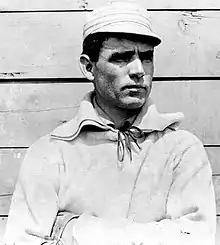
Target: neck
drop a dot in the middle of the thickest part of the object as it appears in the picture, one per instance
(116, 114)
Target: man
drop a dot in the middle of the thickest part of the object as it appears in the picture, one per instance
(119, 172)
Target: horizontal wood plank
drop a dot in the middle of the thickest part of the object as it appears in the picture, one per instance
(217, 236)
(49, 44)
(23, 5)
(10, 162)
(214, 158)
(5, 202)
(11, 159)
(216, 183)
(3, 222)
(28, 111)
(199, 101)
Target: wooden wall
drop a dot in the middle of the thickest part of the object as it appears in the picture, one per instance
(41, 84)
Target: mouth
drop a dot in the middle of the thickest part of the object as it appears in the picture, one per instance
(134, 88)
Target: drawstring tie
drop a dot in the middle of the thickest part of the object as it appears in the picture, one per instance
(131, 134)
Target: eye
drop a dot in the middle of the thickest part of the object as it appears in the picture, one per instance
(146, 57)
(121, 57)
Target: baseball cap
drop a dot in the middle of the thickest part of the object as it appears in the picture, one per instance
(120, 17)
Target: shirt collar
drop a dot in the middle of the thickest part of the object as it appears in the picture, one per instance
(149, 119)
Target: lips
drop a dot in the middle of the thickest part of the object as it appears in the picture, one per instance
(134, 87)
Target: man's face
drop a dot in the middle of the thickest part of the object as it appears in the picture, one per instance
(123, 73)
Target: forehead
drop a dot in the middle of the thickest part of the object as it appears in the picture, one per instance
(124, 44)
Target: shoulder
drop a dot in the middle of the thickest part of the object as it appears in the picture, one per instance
(42, 145)
(181, 137)
(181, 143)
(185, 147)
(43, 155)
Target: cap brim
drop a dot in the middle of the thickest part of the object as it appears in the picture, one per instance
(133, 29)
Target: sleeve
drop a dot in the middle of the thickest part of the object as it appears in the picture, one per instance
(191, 201)
(34, 204)
(190, 210)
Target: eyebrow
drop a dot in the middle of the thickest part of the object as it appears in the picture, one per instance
(148, 53)
(118, 54)
(128, 53)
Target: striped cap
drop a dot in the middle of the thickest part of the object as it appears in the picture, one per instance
(120, 17)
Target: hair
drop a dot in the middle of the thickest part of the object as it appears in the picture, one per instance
(93, 43)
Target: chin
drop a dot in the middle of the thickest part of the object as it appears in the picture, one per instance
(133, 103)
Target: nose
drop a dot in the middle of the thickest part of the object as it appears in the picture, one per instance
(136, 69)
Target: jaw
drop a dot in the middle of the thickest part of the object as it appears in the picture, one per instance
(131, 103)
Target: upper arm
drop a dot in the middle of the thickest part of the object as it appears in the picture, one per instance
(35, 201)
(191, 196)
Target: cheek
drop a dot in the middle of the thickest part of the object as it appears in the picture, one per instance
(149, 69)
(110, 77)
(104, 84)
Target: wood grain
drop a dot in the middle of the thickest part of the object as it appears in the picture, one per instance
(216, 183)
(217, 236)
(5, 202)
(214, 158)
(3, 222)
(28, 111)
(190, 44)
(199, 101)
(10, 161)
(88, 4)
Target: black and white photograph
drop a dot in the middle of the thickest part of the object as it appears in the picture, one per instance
(109, 122)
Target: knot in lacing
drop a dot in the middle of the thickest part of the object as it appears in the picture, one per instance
(131, 134)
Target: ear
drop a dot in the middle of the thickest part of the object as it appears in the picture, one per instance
(86, 66)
